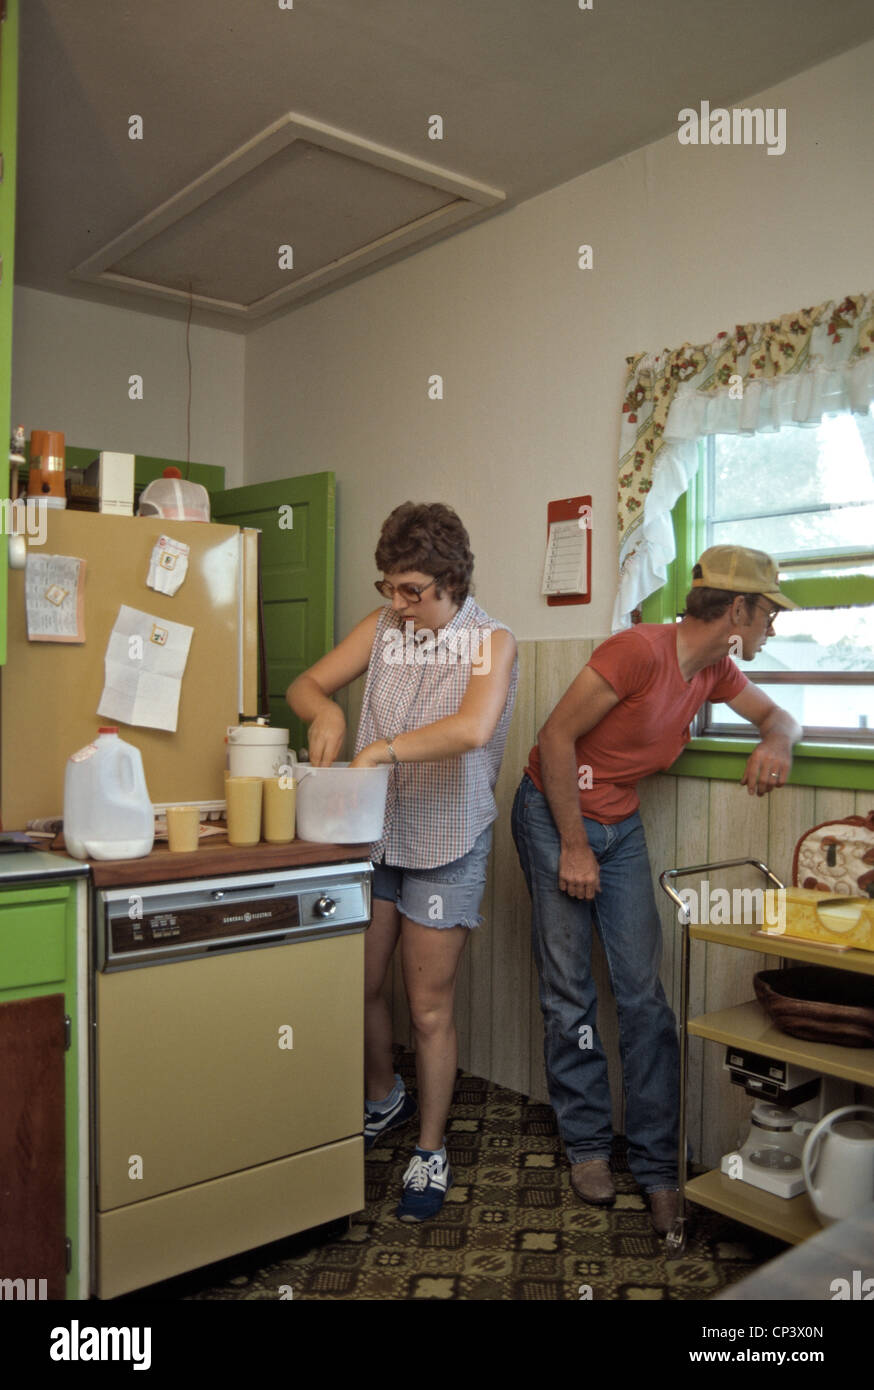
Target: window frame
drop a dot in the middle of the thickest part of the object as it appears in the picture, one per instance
(824, 763)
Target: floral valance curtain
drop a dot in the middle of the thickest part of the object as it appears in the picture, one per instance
(790, 371)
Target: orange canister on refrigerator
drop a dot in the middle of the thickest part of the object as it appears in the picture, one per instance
(47, 467)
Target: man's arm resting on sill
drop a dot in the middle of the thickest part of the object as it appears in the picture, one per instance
(770, 762)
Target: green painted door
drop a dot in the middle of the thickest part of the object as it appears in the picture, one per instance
(296, 521)
(8, 133)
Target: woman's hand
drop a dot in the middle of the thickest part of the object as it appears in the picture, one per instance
(374, 755)
(326, 735)
(309, 696)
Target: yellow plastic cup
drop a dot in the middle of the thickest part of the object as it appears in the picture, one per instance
(183, 828)
(279, 805)
(243, 795)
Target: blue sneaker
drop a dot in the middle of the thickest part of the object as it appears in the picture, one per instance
(377, 1122)
(426, 1182)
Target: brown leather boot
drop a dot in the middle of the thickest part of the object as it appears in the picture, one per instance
(664, 1207)
(592, 1181)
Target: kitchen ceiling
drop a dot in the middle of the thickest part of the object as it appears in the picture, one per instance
(285, 151)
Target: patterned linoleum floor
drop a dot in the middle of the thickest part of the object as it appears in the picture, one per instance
(510, 1228)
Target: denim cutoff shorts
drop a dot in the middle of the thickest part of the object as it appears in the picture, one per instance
(448, 896)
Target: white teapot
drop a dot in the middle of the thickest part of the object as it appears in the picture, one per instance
(838, 1163)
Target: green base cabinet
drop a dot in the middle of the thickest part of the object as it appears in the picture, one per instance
(44, 1224)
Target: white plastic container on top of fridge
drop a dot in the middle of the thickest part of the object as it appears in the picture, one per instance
(341, 805)
(107, 811)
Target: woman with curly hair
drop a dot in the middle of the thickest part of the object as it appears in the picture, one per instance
(441, 681)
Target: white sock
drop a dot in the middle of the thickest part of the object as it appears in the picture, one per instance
(429, 1153)
(391, 1099)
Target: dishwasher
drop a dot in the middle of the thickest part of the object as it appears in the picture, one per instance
(227, 1066)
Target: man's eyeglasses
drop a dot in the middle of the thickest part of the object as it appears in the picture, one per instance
(410, 593)
(771, 612)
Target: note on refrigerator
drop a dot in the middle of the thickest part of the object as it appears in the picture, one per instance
(54, 597)
(144, 665)
(168, 565)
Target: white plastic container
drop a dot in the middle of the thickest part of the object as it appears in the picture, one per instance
(174, 499)
(107, 811)
(256, 750)
(341, 805)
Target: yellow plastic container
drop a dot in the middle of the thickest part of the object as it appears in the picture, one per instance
(831, 918)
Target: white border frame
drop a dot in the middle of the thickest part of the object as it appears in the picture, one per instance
(471, 198)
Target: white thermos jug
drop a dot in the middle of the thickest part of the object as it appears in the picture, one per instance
(838, 1163)
(256, 750)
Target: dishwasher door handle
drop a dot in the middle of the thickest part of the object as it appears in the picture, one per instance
(215, 947)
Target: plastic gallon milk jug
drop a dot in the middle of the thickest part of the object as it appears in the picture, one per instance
(107, 811)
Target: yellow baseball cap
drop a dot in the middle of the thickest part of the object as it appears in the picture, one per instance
(741, 571)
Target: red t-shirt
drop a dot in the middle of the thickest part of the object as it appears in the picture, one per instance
(647, 730)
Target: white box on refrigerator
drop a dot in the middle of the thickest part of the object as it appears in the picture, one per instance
(113, 476)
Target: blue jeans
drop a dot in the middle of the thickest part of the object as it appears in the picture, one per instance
(624, 912)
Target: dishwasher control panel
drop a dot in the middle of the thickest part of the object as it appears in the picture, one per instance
(155, 924)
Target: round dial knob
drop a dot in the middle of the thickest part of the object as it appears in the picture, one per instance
(325, 906)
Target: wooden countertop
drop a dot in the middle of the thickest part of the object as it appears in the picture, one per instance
(215, 856)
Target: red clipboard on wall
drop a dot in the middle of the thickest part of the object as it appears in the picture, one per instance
(567, 570)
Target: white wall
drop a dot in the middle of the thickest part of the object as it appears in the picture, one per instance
(71, 363)
(687, 241)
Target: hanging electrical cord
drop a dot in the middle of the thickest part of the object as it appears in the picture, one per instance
(188, 354)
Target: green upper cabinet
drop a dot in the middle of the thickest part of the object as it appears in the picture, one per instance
(147, 469)
(8, 136)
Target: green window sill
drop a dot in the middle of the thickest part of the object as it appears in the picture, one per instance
(813, 764)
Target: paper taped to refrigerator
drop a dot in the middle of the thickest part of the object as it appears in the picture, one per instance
(144, 665)
(168, 565)
(54, 588)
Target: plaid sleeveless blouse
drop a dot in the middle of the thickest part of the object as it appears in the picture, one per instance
(434, 811)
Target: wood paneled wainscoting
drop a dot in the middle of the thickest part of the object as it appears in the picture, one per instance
(689, 820)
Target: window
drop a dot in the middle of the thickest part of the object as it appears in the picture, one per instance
(806, 496)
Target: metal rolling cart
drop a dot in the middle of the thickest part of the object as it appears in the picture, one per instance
(675, 1240)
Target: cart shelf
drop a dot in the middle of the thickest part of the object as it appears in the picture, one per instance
(792, 1220)
(747, 1025)
(747, 938)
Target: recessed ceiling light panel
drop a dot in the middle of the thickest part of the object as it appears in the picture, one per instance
(297, 207)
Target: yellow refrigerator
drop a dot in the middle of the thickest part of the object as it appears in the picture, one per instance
(50, 691)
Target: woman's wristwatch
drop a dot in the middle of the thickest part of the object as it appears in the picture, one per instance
(392, 754)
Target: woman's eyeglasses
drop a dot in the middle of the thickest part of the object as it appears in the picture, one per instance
(410, 593)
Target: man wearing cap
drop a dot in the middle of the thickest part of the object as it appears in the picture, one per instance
(581, 844)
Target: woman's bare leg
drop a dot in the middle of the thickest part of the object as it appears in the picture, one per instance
(430, 958)
(380, 940)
